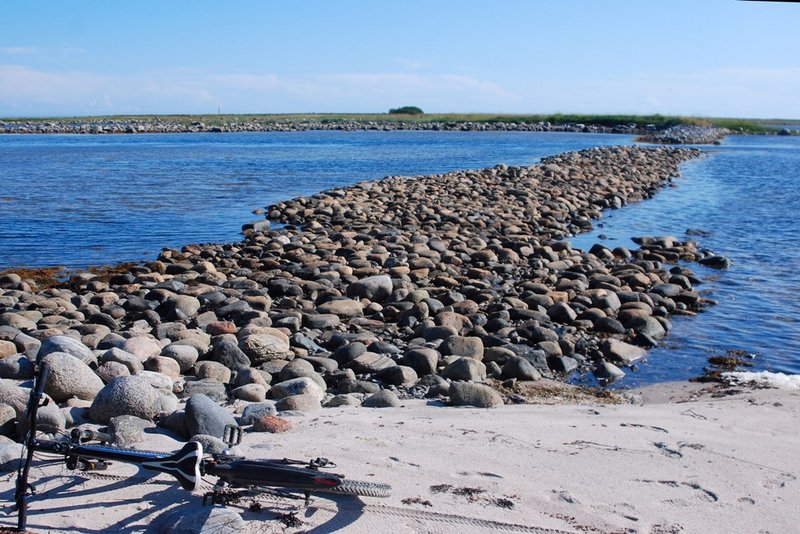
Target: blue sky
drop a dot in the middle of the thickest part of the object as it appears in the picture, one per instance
(687, 57)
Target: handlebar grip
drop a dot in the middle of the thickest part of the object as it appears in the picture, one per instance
(41, 380)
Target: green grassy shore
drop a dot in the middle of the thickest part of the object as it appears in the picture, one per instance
(753, 126)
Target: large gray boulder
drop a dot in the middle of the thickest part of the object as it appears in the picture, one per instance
(205, 386)
(185, 355)
(204, 416)
(383, 399)
(375, 288)
(117, 355)
(307, 402)
(423, 360)
(142, 346)
(225, 350)
(68, 345)
(619, 351)
(520, 368)
(297, 386)
(70, 377)
(126, 395)
(343, 308)
(16, 367)
(478, 395)
(466, 369)
(370, 362)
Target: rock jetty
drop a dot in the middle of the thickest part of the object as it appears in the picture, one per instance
(141, 126)
(687, 135)
(429, 286)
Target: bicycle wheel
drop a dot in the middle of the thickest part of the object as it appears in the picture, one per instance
(358, 487)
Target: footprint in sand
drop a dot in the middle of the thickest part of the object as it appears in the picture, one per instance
(683, 500)
(779, 481)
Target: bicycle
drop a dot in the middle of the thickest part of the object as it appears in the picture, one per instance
(236, 476)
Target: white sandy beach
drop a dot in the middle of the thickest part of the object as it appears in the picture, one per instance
(679, 462)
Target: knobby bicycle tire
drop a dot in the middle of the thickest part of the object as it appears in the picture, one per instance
(358, 487)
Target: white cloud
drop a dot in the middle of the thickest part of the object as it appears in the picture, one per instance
(17, 50)
(739, 92)
(40, 92)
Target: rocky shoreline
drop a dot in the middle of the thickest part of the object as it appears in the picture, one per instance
(687, 135)
(168, 126)
(456, 286)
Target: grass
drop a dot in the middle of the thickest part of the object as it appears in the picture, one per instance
(660, 121)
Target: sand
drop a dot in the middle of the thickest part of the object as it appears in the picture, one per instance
(676, 459)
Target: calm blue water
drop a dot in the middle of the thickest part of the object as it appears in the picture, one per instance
(746, 193)
(78, 200)
(83, 200)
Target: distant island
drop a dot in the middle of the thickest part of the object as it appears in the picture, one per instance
(685, 129)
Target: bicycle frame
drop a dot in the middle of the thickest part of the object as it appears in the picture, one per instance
(187, 465)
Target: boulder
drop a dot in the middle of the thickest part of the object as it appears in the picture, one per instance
(370, 362)
(398, 375)
(520, 369)
(343, 308)
(302, 403)
(297, 386)
(250, 393)
(213, 370)
(185, 355)
(255, 411)
(478, 395)
(383, 399)
(375, 288)
(126, 395)
(271, 344)
(143, 347)
(466, 369)
(471, 347)
(617, 350)
(70, 377)
(16, 367)
(131, 361)
(225, 349)
(423, 360)
(209, 387)
(68, 345)
(126, 430)
(271, 424)
(204, 416)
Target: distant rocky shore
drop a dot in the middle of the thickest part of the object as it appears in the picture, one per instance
(687, 135)
(455, 286)
(165, 126)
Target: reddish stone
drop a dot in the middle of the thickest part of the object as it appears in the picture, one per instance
(271, 424)
(221, 327)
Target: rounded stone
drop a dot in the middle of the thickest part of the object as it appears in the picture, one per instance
(204, 416)
(213, 370)
(297, 386)
(271, 424)
(383, 399)
(301, 403)
(165, 366)
(185, 355)
(70, 377)
(478, 395)
(466, 369)
(126, 395)
(67, 345)
(250, 393)
(143, 347)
